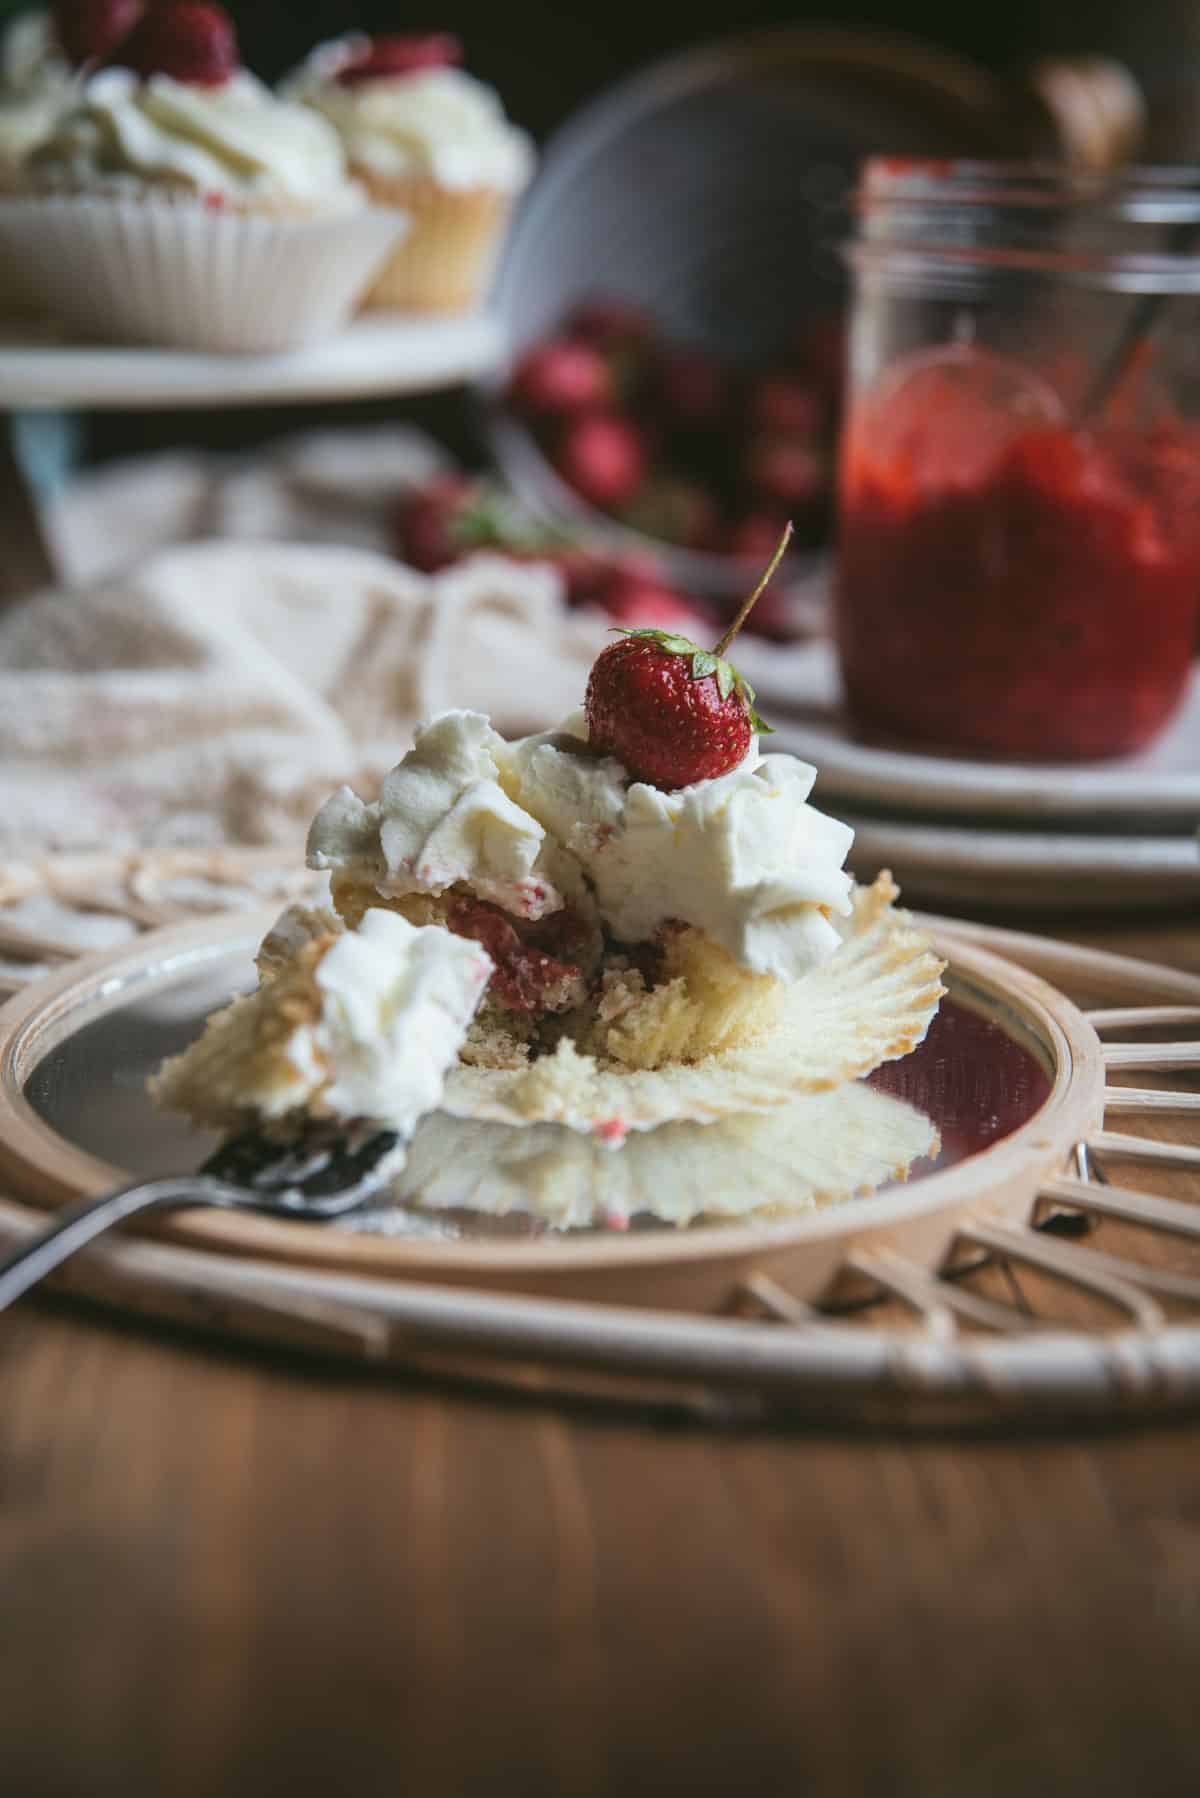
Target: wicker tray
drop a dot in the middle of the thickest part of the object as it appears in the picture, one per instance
(940, 1297)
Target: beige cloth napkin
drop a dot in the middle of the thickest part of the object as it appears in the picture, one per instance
(319, 487)
(219, 691)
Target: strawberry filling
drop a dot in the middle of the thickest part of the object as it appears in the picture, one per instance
(530, 975)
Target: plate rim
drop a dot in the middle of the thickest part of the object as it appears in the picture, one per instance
(949, 856)
(45, 1168)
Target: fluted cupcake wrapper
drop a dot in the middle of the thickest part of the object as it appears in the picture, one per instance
(175, 273)
(871, 1002)
(817, 1149)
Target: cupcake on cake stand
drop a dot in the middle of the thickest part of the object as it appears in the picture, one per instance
(198, 241)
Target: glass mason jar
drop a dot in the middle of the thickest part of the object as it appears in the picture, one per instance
(1018, 567)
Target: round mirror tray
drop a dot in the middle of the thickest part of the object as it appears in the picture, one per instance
(1004, 1270)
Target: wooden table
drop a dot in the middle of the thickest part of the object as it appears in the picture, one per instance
(225, 1575)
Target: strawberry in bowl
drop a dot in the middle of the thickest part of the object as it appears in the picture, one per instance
(457, 515)
(609, 423)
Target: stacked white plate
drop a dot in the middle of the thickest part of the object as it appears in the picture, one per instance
(1083, 836)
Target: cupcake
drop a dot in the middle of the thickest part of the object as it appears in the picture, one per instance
(178, 202)
(663, 936)
(423, 135)
(543, 894)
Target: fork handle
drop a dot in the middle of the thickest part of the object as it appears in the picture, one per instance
(80, 1222)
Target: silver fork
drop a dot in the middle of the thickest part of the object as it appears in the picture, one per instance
(324, 1173)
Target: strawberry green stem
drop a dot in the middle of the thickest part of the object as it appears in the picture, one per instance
(749, 605)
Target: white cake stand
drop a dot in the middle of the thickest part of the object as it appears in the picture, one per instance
(375, 357)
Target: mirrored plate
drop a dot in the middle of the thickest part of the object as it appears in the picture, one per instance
(1010, 1074)
(976, 1078)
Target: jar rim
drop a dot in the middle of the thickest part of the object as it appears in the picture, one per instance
(963, 221)
(1162, 193)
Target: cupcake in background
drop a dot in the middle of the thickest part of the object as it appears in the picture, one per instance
(178, 201)
(173, 111)
(423, 135)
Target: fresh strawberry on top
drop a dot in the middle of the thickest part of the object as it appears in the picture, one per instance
(672, 712)
(87, 30)
(189, 40)
(385, 58)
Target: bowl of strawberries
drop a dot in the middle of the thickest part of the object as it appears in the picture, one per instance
(653, 446)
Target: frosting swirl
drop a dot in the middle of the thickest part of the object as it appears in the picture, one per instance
(29, 56)
(440, 122)
(236, 141)
(36, 86)
(744, 858)
(442, 818)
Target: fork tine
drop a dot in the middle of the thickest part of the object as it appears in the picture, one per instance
(318, 1163)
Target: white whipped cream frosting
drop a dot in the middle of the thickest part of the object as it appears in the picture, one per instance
(29, 55)
(440, 122)
(442, 818)
(236, 141)
(745, 857)
(36, 86)
(396, 1001)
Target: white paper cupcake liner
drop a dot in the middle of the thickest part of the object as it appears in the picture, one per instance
(818, 1149)
(158, 270)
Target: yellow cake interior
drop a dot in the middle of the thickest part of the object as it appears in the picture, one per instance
(243, 1068)
(636, 1006)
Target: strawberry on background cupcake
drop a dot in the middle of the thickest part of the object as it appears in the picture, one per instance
(178, 201)
(170, 107)
(423, 135)
(86, 31)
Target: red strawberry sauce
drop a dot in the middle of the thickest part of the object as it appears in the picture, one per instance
(974, 1080)
(529, 976)
(1041, 602)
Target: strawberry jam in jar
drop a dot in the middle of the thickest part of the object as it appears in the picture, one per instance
(1018, 568)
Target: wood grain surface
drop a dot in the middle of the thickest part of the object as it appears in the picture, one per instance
(223, 1574)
